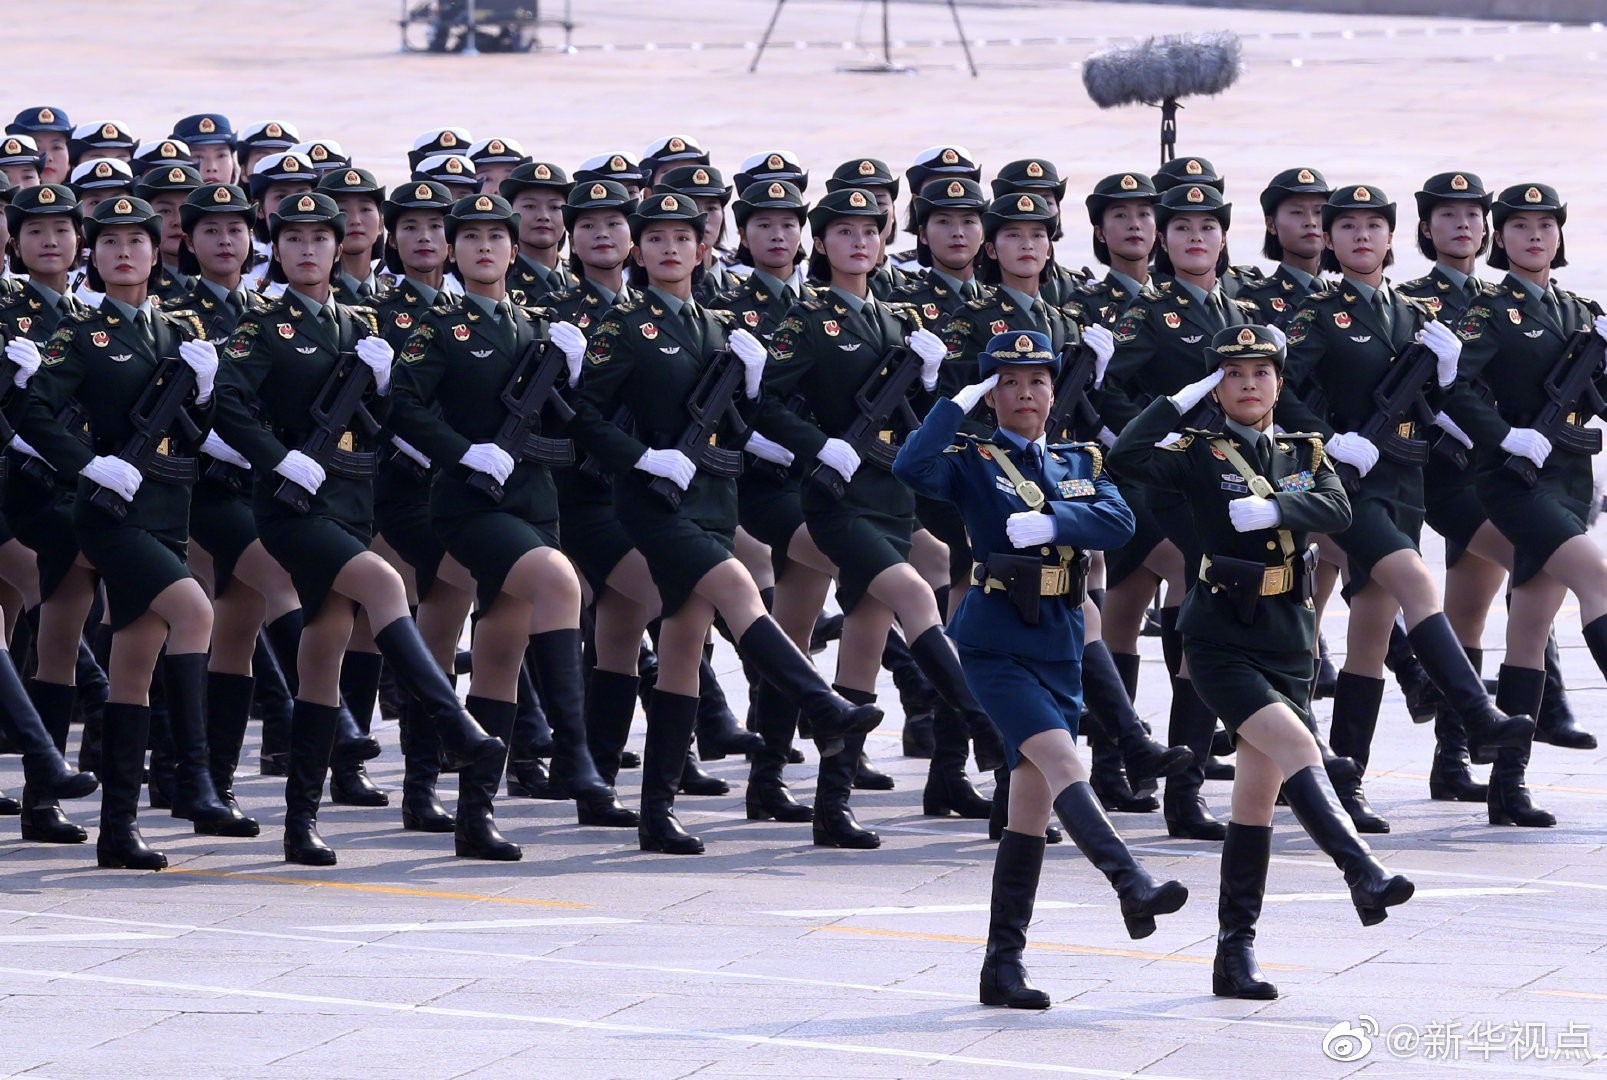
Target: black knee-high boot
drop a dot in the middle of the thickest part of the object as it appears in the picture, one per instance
(935, 653)
(1106, 771)
(1016, 869)
(272, 698)
(915, 693)
(834, 821)
(194, 797)
(1422, 694)
(1373, 890)
(43, 821)
(284, 639)
(312, 740)
(123, 740)
(556, 662)
(532, 741)
(228, 710)
(718, 733)
(477, 835)
(1141, 897)
(1105, 695)
(1356, 702)
(1245, 855)
(1442, 657)
(1450, 775)
(43, 765)
(1556, 723)
(948, 788)
(421, 764)
(670, 720)
(1127, 668)
(610, 708)
(767, 796)
(790, 671)
(463, 742)
(1509, 800)
(349, 785)
(1193, 725)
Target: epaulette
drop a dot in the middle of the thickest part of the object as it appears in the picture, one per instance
(962, 441)
(564, 296)
(1429, 309)
(979, 303)
(1329, 291)
(721, 315)
(188, 315)
(539, 311)
(1592, 306)
(726, 257)
(367, 314)
(85, 314)
(1252, 275)
(1246, 307)
(814, 303)
(1149, 292)
(1092, 449)
(627, 307)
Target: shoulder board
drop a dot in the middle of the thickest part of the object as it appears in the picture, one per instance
(1092, 449)
(1179, 444)
(1329, 291)
(815, 302)
(1250, 274)
(1420, 304)
(444, 307)
(85, 315)
(721, 315)
(190, 318)
(367, 314)
(1417, 285)
(626, 307)
(980, 303)
(1163, 288)
(1150, 291)
(1593, 306)
(1205, 433)
(539, 311)
(1247, 307)
(563, 296)
(962, 441)
(726, 256)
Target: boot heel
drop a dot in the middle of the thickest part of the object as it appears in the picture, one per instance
(1141, 926)
(1396, 891)
(1222, 987)
(934, 808)
(759, 813)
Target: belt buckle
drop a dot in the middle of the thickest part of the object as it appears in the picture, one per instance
(1574, 421)
(1407, 430)
(163, 448)
(714, 438)
(347, 442)
(1276, 580)
(885, 436)
(1052, 581)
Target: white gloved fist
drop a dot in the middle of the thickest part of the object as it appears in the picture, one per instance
(489, 458)
(1196, 392)
(302, 471)
(1529, 443)
(114, 473)
(1353, 450)
(766, 450)
(411, 451)
(1601, 326)
(1106, 437)
(377, 353)
(21, 446)
(202, 358)
(1447, 350)
(930, 348)
(25, 354)
(1103, 342)
(214, 446)
(968, 397)
(571, 341)
(1451, 428)
(752, 353)
(840, 457)
(1252, 513)
(672, 465)
(1030, 528)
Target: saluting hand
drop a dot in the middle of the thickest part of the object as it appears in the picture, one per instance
(1029, 528)
(967, 398)
(25, 354)
(1447, 350)
(752, 353)
(1196, 392)
(930, 348)
(1253, 513)
(377, 353)
(202, 358)
(571, 340)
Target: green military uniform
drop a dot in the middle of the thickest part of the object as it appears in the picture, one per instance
(529, 277)
(1276, 295)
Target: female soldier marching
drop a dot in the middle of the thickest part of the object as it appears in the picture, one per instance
(1020, 631)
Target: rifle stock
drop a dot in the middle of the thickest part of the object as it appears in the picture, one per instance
(884, 393)
(531, 387)
(1570, 390)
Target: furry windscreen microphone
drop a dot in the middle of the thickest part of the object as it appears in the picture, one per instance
(1161, 70)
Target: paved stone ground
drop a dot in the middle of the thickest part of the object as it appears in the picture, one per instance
(768, 956)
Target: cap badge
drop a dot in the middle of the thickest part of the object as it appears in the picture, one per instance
(483, 204)
(599, 192)
(1361, 194)
(1194, 168)
(1023, 344)
(306, 204)
(867, 168)
(423, 192)
(221, 195)
(1533, 196)
(46, 116)
(776, 191)
(955, 189)
(677, 145)
(353, 178)
(13, 146)
(290, 164)
(700, 177)
(122, 206)
(856, 200)
(103, 170)
(108, 131)
(949, 157)
(616, 164)
(1195, 195)
(775, 161)
(496, 146)
(1129, 183)
(542, 172)
(168, 150)
(175, 176)
(448, 139)
(1024, 204)
(46, 196)
(1459, 182)
(1035, 170)
(1305, 176)
(274, 131)
(669, 203)
(454, 165)
(207, 126)
(1247, 336)
(320, 152)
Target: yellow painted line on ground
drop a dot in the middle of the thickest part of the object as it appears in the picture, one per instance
(388, 890)
(1571, 994)
(1087, 950)
(1532, 787)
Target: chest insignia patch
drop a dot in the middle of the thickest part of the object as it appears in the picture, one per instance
(1279, 303)
(998, 326)
(1342, 320)
(286, 331)
(831, 327)
(403, 320)
(649, 331)
(461, 331)
(751, 318)
(101, 339)
(930, 311)
(1172, 319)
(1515, 315)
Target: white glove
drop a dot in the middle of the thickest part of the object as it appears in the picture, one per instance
(1601, 327)
(1107, 438)
(489, 458)
(1030, 528)
(765, 450)
(114, 473)
(1446, 347)
(202, 358)
(1196, 392)
(409, 450)
(672, 465)
(1529, 443)
(1278, 336)
(968, 397)
(377, 353)
(1103, 342)
(930, 348)
(1252, 513)
(840, 457)
(1450, 427)
(25, 354)
(213, 446)
(569, 338)
(1353, 450)
(21, 446)
(302, 470)
(751, 352)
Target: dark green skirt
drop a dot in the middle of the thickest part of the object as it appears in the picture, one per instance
(41, 516)
(1540, 519)
(222, 525)
(1237, 682)
(488, 545)
(864, 533)
(135, 563)
(402, 517)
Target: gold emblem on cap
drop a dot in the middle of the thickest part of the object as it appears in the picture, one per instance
(542, 172)
(46, 116)
(320, 152)
(1023, 344)
(775, 161)
(677, 144)
(448, 139)
(1024, 203)
(122, 206)
(168, 150)
(423, 192)
(221, 195)
(454, 165)
(1459, 182)
(108, 131)
(175, 175)
(1247, 336)
(306, 204)
(103, 170)
(1533, 196)
(599, 192)
(669, 203)
(700, 177)
(1361, 194)
(867, 168)
(353, 178)
(856, 200)
(46, 196)
(950, 157)
(496, 146)
(1129, 183)
(290, 164)
(1034, 170)
(273, 131)
(777, 191)
(13, 146)
(483, 204)
(1195, 195)
(616, 163)
(956, 189)
(1194, 168)
(1304, 176)
(207, 126)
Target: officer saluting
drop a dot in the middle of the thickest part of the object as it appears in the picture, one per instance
(1032, 510)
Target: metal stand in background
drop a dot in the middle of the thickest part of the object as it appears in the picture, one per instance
(457, 26)
(886, 66)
